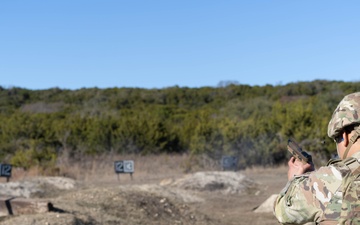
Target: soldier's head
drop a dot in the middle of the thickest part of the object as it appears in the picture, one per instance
(345, 120)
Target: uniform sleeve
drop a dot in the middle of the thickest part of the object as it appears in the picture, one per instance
(305, 197)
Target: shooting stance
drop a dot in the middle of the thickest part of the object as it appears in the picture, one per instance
(329, 195)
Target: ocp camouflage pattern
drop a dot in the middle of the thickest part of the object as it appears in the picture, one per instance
(317, 197)
(345, 114)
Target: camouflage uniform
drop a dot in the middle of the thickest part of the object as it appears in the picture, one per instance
(329, 195)
(316, 196)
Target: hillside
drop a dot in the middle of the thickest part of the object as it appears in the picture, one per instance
(251, 123)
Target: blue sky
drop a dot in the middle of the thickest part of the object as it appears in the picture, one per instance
(156, 44)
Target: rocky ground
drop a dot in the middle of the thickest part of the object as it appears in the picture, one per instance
(202, 198)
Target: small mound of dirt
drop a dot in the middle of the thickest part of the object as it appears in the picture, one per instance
(131, 205)
(37, 187)
(267, 206)
(226, 182)
(61, 183)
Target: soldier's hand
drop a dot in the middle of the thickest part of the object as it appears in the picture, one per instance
(296, 167)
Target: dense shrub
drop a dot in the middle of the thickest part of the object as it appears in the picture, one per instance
(250, 122)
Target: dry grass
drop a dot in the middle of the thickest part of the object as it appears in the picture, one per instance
(101, 168)
(146, 167)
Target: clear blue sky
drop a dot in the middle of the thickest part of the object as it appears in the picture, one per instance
(190, 43)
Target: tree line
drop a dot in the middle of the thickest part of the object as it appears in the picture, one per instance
(252, 123)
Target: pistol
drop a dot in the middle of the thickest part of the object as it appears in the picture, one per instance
(298, 153)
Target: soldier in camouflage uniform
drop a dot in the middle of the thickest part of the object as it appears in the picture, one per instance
(329, 195)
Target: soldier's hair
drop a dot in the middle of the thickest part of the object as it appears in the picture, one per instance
(350, 128)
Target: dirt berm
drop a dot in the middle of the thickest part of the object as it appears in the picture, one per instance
(203, 198)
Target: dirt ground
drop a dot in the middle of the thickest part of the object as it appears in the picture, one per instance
(225, 198)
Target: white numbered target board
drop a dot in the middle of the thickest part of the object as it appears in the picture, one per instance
(5, 170)
(125, 166)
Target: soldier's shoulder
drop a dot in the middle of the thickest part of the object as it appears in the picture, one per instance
(329, 170)
(330, 176)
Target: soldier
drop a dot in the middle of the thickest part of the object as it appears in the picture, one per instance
(328, 195)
